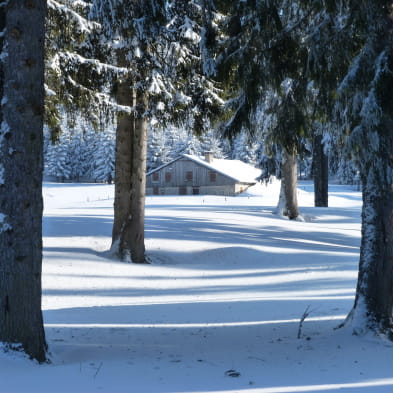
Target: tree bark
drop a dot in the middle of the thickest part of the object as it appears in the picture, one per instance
(320, 173)
(133, 235)
(374, 293)
(281, 208)
(128, 240)
(288, 205)
(21, 150)
(123, 162)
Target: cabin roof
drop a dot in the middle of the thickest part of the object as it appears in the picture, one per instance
(234, 169)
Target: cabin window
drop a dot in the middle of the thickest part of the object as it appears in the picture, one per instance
(156, 176)
(213, 176)
(168, 177)
(189, 176)
(182, 190)
(156, 190)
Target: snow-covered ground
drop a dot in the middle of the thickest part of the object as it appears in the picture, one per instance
(217, 310)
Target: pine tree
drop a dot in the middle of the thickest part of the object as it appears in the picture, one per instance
(78, 151)
(103, 157)
(159, 148)
(147, 40)
(78, 75)
(244, 148)
(262, 63)
(211, 142)
(361, 61)
(21, 143)
(58, 160)
(132, 28)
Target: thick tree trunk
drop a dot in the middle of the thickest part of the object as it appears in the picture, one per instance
(133, 235)
(21, 148)
(287, 204)
(320, 173)
(374, 293)
(128, 240)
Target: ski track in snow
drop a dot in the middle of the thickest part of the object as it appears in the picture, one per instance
(217, 310)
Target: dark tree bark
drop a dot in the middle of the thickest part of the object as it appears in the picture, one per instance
(21, 165)
(374, 293)
(133, 234)
(320, 173)
(373, 305)
(288, 205)
(128, 240)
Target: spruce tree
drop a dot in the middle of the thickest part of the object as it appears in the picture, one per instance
(262, 64)
(103, 157)
(79, 75)
(155, 44)
(364, 112)
(210, 141)
(159, 148)
(132, 28)
(78, 71)
(58, 158)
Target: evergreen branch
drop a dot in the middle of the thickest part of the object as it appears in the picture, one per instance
(84, 24)
(99, 66)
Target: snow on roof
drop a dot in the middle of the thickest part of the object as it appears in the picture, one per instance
(235, 169)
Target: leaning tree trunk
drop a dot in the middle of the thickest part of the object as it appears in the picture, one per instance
(374, 293)
(133, 233)
(287, 204)
(320, 173)
(21, 164)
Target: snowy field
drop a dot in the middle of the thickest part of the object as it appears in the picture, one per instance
(217, 310)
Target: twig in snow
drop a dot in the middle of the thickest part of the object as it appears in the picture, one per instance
(232, 373)
(98, 370)
(302, 319)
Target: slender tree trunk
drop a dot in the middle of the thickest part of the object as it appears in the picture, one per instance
(281, 208)
(288, 205)
(21, 164)
(123, 162)
(374, 293)
(320, 173)
(133, 235)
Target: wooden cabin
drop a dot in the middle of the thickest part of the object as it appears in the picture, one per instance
(194, 175)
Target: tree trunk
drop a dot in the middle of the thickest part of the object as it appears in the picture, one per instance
(128, 239)
(374, 293)
(281, 208)
(320, 173)
(123, 162)
(287, 204)
(133, 235)
(21, 150)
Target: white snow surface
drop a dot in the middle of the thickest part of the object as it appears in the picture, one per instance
(217, 310)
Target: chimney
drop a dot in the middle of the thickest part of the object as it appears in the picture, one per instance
(209, 156)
